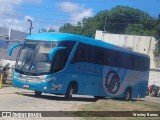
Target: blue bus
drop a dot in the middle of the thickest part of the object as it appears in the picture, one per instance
(66, 64)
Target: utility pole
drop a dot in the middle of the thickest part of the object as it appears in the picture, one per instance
(105, 23)
(30, 29)
(104, 31)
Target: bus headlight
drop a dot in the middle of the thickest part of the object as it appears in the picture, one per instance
(48, 79)
(28, 78)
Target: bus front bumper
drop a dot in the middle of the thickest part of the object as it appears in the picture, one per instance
(32, 85)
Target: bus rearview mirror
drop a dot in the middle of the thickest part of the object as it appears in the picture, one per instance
(53, 52)
(13, 47)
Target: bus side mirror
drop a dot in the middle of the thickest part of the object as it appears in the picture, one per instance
(13, 47)
(53, 52)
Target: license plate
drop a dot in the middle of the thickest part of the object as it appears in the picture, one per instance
(26, 86)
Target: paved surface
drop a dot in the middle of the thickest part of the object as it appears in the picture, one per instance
(14, 99)
(152, 99)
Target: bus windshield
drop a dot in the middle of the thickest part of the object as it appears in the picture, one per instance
(33, 58)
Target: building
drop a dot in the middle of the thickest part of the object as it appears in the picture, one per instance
(9, 37)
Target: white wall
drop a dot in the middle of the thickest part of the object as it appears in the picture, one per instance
(154, 77)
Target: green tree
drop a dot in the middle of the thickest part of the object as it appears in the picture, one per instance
(45, 30)
(139, 29)
(69, 28)
(135, 29)
(114, 21)
(157, 35)
(121, 16)
(51, 30)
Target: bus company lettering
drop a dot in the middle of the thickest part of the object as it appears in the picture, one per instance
(112, 82)
(89, 69)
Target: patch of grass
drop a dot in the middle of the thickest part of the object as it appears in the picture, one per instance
(117, 105)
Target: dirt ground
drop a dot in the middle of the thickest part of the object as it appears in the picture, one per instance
(14, 99)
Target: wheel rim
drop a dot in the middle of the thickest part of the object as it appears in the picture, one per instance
(127, 95)
(71, 92)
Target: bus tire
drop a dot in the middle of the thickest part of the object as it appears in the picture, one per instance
(70, 91)
(127, 95)
(37, 93)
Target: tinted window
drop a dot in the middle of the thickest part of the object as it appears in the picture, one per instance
(108, 57)
(59, 61)
(68, 44)
(62, 56)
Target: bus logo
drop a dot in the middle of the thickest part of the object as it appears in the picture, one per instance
(112, 82)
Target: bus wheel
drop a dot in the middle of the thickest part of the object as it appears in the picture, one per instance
(37, 93)
(127, 95)
(69, 92)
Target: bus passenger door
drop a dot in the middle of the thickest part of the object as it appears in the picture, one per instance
(58, 65)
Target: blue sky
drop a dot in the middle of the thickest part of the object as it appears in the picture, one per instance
(54, 13)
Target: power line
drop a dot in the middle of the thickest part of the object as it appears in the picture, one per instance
(40, 11)
(21, 15)
(46, 9)
(63, 20)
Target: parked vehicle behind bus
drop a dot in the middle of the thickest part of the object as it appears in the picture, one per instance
(67, 64)
(153, 91)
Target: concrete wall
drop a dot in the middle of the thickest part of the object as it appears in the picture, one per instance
(17, 35)
(4, 31)
(142, 44)
(154, 77)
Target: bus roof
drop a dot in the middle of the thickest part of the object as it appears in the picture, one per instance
(49, 36)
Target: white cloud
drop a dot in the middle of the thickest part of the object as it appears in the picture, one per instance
(10, 19)
(32, 1)
(28, 17)
(69, 7)
(13, 24)
(11, 1)
(77, 11)
(16, 24)
(20, 1)
(7, 7)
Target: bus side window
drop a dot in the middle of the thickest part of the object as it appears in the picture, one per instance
(79, 54)
(99, 56)
(141, 64)
(59, 61)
